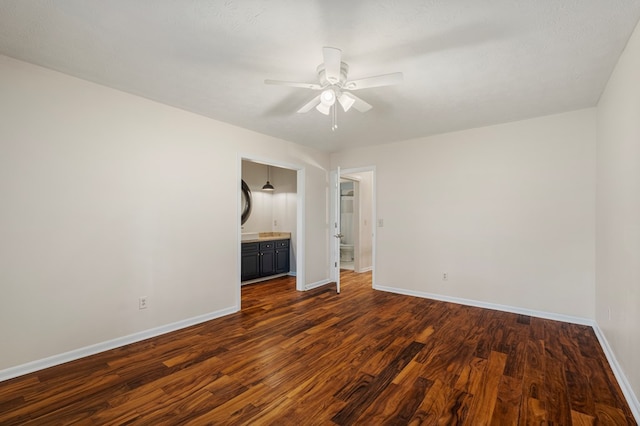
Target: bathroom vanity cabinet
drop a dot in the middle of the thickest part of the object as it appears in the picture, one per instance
(264, 258)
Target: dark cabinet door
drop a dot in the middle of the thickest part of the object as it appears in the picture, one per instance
(250, 261)
(267, 258)
(282, 256)
(267, 263)
(262, 259)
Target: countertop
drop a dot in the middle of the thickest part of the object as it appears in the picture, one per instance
(253, 237)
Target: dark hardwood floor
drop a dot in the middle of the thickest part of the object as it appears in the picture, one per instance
(360, 357)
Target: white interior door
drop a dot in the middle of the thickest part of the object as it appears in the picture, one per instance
(335, 228)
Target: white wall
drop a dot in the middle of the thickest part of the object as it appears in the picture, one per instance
(106, 197)
(618, 213)
(507, 211)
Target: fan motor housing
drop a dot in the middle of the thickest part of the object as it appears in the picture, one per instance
(322, 75)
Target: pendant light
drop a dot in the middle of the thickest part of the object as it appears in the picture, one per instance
(267, 186)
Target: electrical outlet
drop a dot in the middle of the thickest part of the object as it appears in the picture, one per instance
(380, 223)
(143, 303)
(275, 222)
(445, 276)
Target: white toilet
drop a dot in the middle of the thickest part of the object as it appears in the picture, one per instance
(346, 252)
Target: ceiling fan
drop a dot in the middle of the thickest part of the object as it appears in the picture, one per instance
(335, 86)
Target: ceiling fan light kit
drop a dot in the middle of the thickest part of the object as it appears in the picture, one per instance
(323, 108)
(333, 81)
(328, 97)
(347, 101)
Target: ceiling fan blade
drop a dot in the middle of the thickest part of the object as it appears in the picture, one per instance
(359, 104)
(309, 105)
(312, 86)
(376, 81)
(332, 60)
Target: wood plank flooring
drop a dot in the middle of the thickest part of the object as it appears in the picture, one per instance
(321, 358)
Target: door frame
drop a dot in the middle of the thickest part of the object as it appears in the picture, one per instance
(374, 215)
(300, 215)
(334, 227)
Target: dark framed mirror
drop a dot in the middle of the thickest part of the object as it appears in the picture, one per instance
(246, 202)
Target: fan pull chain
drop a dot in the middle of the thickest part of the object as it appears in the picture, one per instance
(334, 118)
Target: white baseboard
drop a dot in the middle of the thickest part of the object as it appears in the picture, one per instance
(631, 397)
(58, 359)
(360, 271)
(270, 277)
(486, 305)
(316, 284)
(41, 364)
(267, 278)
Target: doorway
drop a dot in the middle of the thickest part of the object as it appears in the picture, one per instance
(276, 211)
(349, 223)
(356, 211)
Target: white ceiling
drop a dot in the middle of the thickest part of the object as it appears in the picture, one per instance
(466, 63)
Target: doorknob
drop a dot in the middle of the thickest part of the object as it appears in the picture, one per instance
(338, 235)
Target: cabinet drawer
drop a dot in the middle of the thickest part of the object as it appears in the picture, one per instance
(250, 247)
(267, 245)
(282, 244)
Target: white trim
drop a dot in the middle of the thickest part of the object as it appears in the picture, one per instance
(627, 390)
(317, 284)
(374, 225)
(238, 290)
(301, 190)
(75, 354)
(261, 279)
(333, 243)
(367, 269)
(486, 305)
